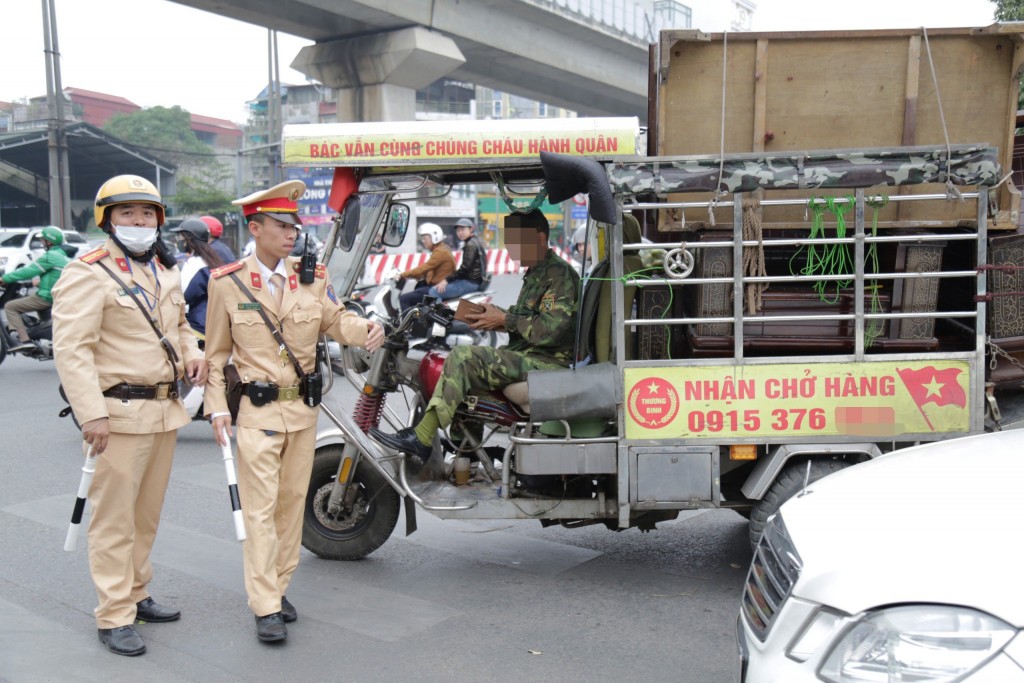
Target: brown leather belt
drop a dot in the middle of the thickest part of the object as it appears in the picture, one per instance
(126, 392)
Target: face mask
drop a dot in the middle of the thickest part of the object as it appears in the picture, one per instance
(136, 240)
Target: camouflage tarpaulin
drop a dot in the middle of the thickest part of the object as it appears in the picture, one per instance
(970, 165)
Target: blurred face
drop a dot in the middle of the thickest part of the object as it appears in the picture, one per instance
(463, 232)
(426, 242)
(525, 245)
(134, 215)
(274, 239)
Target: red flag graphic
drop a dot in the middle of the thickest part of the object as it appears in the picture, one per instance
(929, 385)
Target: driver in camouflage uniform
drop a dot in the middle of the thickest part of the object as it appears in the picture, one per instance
(540, 327)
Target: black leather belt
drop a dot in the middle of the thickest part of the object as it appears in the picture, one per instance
(261, 393)
(126, 392)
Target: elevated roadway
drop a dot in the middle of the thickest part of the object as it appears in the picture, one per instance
(379, 49)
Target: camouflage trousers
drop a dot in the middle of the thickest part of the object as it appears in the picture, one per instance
(472, 370)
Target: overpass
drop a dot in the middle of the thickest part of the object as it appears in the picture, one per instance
(377, 54)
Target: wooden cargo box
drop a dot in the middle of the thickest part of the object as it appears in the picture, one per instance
(802, 91)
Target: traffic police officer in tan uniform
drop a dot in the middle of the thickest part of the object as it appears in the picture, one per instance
(276, 429)
(119, 372)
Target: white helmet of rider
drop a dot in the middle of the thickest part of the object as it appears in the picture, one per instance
(433, 230)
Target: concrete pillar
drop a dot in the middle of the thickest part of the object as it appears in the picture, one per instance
(377, 75)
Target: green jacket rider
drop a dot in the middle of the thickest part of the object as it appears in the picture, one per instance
(47, 268)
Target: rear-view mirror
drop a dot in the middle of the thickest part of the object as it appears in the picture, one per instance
(397, 225)
(349, 223)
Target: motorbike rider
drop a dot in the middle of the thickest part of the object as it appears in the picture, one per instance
(216, 230)
(472, 272)
(121, 343)
(437, 268)
(540, 327)
(47, 268)
(193, 235)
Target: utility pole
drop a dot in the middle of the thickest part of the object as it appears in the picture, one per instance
(273, 106)
(60, 175)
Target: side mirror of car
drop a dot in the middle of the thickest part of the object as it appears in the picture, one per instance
(397, 225)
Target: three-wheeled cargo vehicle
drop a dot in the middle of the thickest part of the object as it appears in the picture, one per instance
(724, 369)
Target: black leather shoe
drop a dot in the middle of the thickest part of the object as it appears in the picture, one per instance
(288, 612)
(123, 640)
(151, 611)
(403, 441)
(271, 628)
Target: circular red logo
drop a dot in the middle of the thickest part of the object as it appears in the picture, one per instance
(653, 403)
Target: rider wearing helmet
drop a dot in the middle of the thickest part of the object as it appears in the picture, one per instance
(472, 271)
(216, 230)
(47, 268)
(439, 266)
(193, 240)
(121, 344)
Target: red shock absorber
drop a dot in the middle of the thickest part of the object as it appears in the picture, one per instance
(368, 409)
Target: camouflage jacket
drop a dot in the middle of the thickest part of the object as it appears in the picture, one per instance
(543, 320)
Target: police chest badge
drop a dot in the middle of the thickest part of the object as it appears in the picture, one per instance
(547, 302)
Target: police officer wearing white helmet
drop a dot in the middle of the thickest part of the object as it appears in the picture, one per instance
(437, 268)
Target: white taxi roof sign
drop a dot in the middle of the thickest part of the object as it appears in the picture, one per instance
(438, 143)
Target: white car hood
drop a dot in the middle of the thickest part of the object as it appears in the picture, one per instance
(953, 536)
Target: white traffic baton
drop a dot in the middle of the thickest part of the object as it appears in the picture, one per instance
(236, 504)
(71, 542)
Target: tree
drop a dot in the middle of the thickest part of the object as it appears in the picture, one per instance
(1009, 10)
(167, 133)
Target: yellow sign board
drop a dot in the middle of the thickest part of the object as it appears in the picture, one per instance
(867, 399)
(434, 142)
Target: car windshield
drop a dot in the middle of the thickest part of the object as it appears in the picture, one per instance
(74, 237)
(15, 241)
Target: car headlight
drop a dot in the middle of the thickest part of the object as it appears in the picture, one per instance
(3, 261)
(922, 643)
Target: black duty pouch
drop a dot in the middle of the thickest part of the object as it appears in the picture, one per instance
(233, 390)
(312, 389)
(261, 393)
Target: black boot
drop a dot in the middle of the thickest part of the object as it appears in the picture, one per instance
(123, 640)
(288, 612)
(403, 441)
(271, 628)
(153, 612)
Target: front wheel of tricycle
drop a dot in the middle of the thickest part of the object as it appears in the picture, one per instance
(357, 530)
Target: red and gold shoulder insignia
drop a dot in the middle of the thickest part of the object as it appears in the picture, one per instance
(321, 271)
(224, 270)
(94, 255)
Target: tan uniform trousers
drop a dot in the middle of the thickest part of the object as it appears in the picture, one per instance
(126, 495)
(273, 478)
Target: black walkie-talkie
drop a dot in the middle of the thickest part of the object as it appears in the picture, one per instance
(307, 269)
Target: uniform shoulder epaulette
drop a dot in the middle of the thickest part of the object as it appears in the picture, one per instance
(321, 270)
(94, 255)
(224, 270)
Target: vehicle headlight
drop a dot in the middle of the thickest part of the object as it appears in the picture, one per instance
(921, 643)
(3, 261)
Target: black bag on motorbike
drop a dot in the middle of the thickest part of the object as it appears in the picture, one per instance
(233, 390)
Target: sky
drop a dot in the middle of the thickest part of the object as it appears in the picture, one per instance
(156, 52)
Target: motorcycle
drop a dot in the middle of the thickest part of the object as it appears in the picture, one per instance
(38, 324)
(378, 302)
(355, 489)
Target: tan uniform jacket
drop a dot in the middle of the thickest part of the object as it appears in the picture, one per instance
(235, 330)
(101, 338)
(438, 267)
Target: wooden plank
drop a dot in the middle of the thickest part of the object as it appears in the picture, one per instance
(760, 97)
(910, 99)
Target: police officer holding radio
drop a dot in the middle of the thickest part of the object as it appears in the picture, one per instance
(265, 314)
